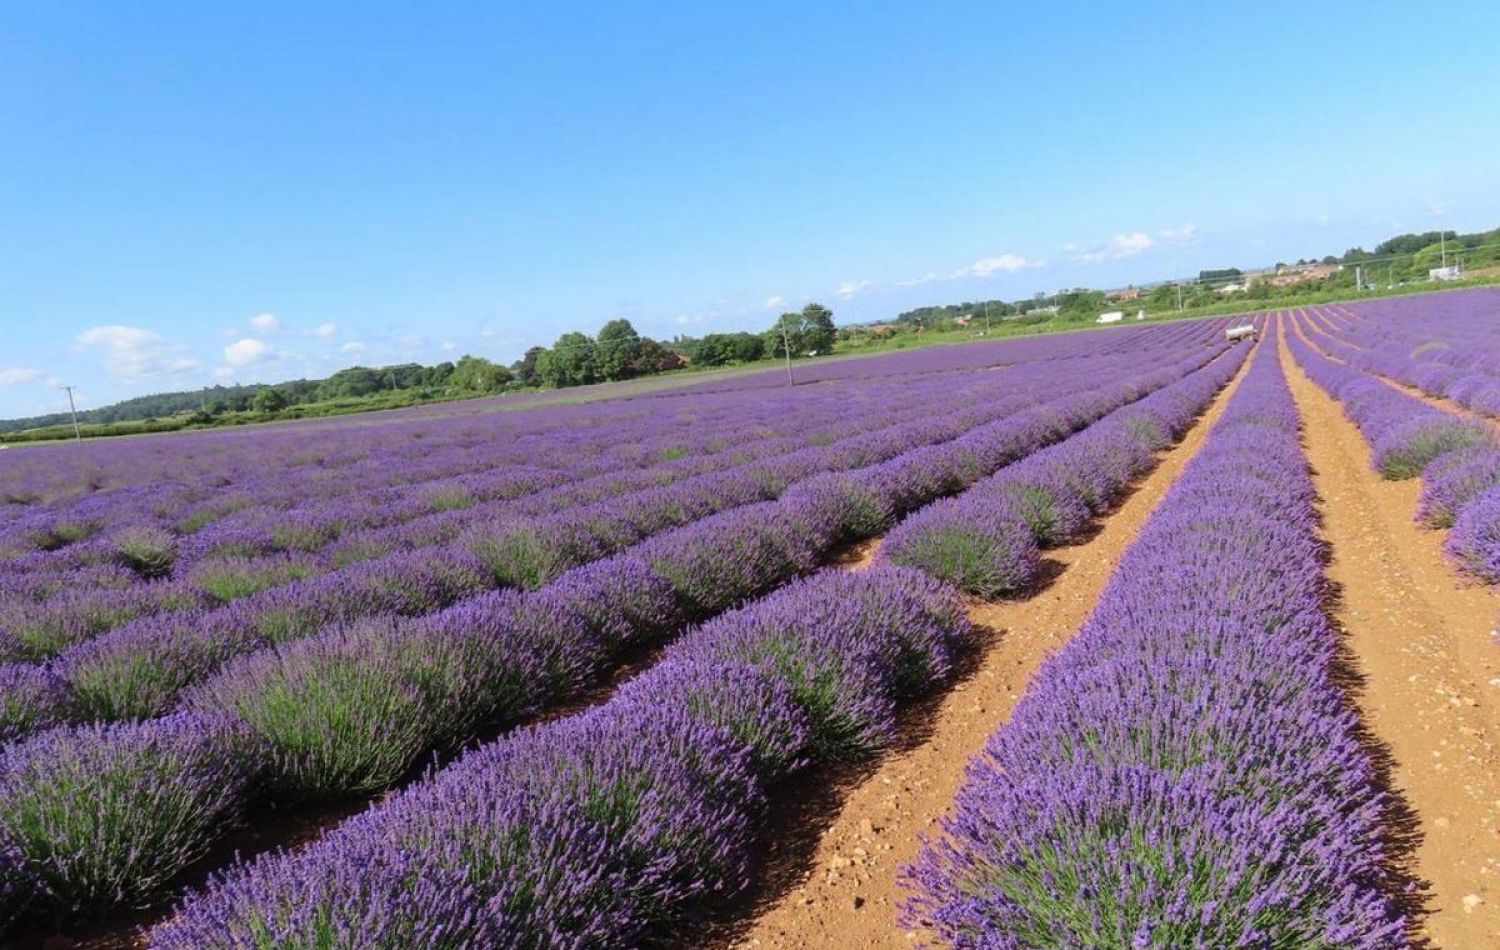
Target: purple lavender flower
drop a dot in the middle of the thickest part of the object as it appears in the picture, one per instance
(31, 698)
(1475, 539)
(350, 891)
(104, 816)
(981, 545)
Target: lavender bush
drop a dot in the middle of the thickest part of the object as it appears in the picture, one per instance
(1475, 539)
(1186, 771)
(611, 827)
(104, 816)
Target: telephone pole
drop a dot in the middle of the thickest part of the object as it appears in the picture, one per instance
(786, 348)
(73, 410)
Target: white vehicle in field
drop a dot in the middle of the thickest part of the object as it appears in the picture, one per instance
(1245, 331)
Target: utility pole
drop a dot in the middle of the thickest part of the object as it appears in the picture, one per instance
(1179, 296)
(1443, 246)
(786, 347)
(986, 318)
(73, 410)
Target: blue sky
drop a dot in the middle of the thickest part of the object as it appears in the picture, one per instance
(193, 193)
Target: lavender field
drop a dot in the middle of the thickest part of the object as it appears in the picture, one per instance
(554, 676)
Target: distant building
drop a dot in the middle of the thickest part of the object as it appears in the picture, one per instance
(1128, 293)
(1303, 274)
(1451, 272)
(1114, 316)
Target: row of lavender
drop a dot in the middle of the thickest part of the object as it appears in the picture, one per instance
(141, 668)
(1446, 345)
(987, 541)
(231, 558)
(848, 718)
(298, 506)
(1458, 459)
(35, 629)
(606, 826)
(348, 711)
(617, 826)
(1186, 772)
(345, 453)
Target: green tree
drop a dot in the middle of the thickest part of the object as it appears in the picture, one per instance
(715, 349)
(654, 357)
(570, 362)
(354, 381)
(785, 333)
(817, 328)
(525, 368)
(269, 399)
(619, 351)
(478, 375)
(809, 330)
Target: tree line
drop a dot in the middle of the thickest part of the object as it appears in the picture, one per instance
(617, 353)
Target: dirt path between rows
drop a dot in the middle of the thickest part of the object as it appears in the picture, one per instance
(847, 894)
(1420, 637)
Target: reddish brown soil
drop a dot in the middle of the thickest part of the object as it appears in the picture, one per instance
(842, 890)
(1421, 639)
(858, 556)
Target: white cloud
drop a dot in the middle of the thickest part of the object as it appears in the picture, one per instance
(448, 346)
(131, 353)
(688, 319)
(775, 301)
(354, 346)
(1117, 248)
(851, 287)
(1186, 234)
(325, 331)
(265, 323)
(245, 352)
(999, 264)
(926, 278)
(16, 375)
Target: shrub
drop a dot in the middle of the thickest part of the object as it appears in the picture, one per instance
(847, 646)
(1453, 480)
(714, 563)
(63, 532)
(349, 711)
(531, 554)
(979, 545)
(139, 670)
(1404, 450)
(230, 578)
(150, 552)
(1475, 539)
(351, 891)
(623, 600)
(1052, 509)
(753, 704)
(31, 698)
(104, 816)
(594, 830)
